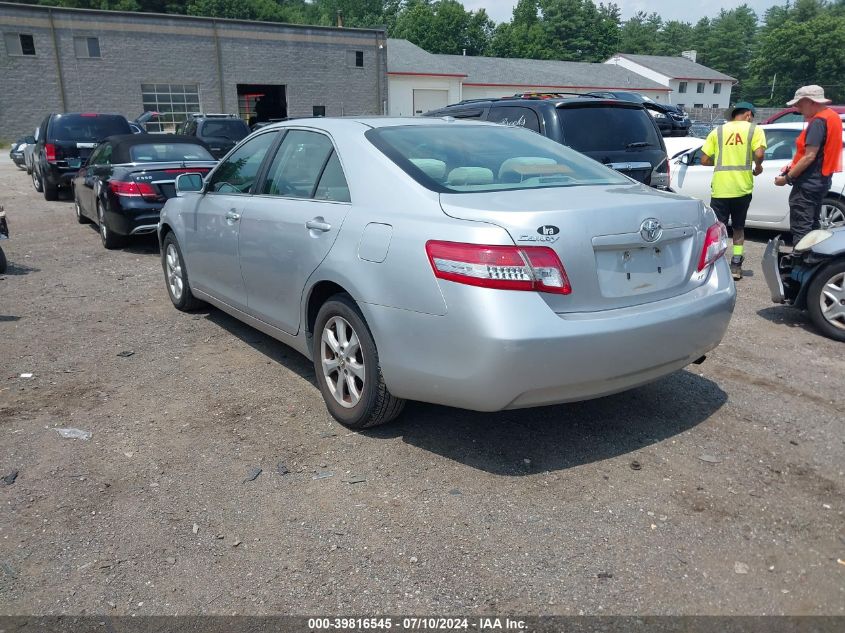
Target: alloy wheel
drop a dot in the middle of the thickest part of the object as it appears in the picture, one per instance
(342, 361)
(832, 301)
(831, 216)
(175, 280)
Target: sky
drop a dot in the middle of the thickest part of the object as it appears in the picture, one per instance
(502, 10)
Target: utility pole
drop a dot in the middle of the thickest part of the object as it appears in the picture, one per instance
(772, 95)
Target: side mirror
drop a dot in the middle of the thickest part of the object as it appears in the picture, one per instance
(186, 183)
(685, 159)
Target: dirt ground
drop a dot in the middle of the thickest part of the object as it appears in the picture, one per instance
(716, 490)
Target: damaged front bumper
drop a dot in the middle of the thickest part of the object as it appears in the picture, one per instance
(772, 269)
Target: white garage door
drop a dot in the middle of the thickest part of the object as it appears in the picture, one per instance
(425, 100)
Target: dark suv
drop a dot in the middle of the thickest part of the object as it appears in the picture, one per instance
(619, 134)
(66, 143)
(221, 132)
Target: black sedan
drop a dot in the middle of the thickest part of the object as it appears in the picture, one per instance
(126, 181)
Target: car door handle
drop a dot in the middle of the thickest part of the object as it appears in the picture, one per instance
(317, 224)
(233, 216)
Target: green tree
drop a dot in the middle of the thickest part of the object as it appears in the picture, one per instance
(729, 44)
(675, 37)
(800, 51)
(444, 27)
(575, 30)
(640, 35)
(237, 9)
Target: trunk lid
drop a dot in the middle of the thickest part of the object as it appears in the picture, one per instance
(606, 237)
(162, 176)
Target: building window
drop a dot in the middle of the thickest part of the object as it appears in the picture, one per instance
(682, 87)
(717, 88)
(318, 110)
(698, 105)
(355, 59)
(173, 102)
(699, 87)
(19, 43)
(681, 105)
(86, 47)
(715, 105)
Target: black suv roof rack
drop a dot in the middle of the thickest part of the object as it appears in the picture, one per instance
(535, 96)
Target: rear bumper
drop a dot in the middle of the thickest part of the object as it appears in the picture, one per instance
(133, 217)
(497, 350)
(57, 176)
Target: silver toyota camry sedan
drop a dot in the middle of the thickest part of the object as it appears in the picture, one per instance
(452, 262)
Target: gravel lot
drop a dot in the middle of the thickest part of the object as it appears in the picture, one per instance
(716, 490)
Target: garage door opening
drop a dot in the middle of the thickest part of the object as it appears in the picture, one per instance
(260, 103)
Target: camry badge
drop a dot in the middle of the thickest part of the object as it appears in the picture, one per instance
(651, 230)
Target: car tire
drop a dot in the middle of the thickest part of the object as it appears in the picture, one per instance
(2, 262)
(109, 238)
(826, 300)
(51, 192)
(176, 276)
(36, 181)
(833, 213)
(80, 217)
(362, 400)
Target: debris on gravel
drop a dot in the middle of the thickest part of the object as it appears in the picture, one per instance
(252, 475)
(74, 434)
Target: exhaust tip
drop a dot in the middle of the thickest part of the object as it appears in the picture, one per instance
(700, 360)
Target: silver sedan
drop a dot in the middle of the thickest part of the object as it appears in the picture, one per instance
(451, 262)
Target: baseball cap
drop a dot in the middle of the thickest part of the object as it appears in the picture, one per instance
(744, 105)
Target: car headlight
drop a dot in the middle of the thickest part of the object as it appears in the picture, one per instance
(657, 115)
(811, 239)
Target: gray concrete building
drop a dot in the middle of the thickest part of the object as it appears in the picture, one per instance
(78, 60)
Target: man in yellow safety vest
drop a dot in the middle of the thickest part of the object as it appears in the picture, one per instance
(731, 148)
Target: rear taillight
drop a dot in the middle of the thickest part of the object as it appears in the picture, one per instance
(131, 189)
(715, 245)
(50, 152)
(536, 268)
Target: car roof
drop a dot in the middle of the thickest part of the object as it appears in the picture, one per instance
(348, 123)
(540, 100)
(123, 142)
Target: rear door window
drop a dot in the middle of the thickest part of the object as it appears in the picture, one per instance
(780, 144)
(607, 129)
(298, 165)
(88, 128)
(514, 117)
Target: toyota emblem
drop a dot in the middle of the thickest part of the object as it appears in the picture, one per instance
(651, 230)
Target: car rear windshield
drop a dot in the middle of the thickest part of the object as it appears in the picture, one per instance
(460, 157)
(168, 152)
(88, 127)
(607, 128)
(232, 129)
